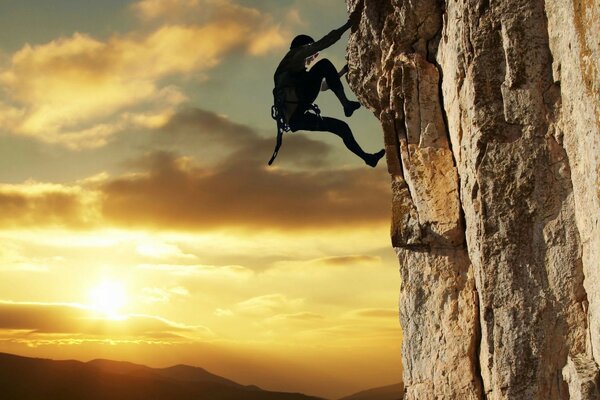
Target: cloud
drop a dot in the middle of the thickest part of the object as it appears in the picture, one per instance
(293, 17)
(264, 36)
(72, 319)
(176, 194)
(157, 249)
(153, 295)
(296, 317)
(153, 9)
(348, 260)
(79, 91)
(270, 38)
(209, 127)
(267, 305)
(375, 313)
(360, 334)
(241, 191)
(73, 90)
(10, 115)
(13, 258)
(42, 204)
(196, 126)
(323, 265)
(202, 271)
(172, 192)
(223, 312)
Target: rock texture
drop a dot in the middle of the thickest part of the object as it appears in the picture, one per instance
(582, 376)
(491, 119)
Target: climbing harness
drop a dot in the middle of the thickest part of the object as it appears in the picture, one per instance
(284, 95)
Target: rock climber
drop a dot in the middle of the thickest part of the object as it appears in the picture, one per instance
(296, 88)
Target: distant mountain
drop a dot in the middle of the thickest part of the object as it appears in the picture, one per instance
(391, 392)
(195, 374)
(183, 373)
(23, 378)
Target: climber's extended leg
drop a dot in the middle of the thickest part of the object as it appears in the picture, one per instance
(324, 69)
(312, 122)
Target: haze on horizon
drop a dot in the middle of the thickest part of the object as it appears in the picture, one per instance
(138, 218)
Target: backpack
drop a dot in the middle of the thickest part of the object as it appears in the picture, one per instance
(285, 103)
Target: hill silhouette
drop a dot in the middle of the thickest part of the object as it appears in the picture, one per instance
(23, 378)
(390, 392)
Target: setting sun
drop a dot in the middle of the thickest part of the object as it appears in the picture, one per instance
(108, 297)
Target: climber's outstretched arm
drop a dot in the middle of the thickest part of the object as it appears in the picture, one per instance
(306, 51)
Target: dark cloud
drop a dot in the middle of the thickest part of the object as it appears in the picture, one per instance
(43, 208)
(240, 190)
(243, 192)
(209, 126)
(195, 128)
(45, 318)
(346, 260)
(236, 190)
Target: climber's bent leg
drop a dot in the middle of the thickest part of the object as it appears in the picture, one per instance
(324, 69)
(312, 122)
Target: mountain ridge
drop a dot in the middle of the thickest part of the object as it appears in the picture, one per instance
(26, 378)
(388, 392)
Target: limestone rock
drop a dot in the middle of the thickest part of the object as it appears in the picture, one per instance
(491, 121)
(582, 375)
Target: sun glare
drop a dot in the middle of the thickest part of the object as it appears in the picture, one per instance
(108, 298)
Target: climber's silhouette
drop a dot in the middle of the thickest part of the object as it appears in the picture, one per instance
(296, 88)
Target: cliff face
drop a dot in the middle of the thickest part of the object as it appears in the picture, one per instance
(491, 118)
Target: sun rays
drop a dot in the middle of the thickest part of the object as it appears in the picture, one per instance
(108, 298)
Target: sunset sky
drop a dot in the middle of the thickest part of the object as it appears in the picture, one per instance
(138, 218)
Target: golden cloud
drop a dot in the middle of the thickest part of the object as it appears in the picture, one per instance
(79, 91)
(204, 271)
(42, 204)
(270, 38)
(223, 312)
(158, 249)
(173, 192)
(72, 319)
(266, 36)
(153, 295)
(312, 266)
(241, 191)
(348, 260)
(267, 305)
(376, 313)
(296, 317)
(153, 9)
(13, 258)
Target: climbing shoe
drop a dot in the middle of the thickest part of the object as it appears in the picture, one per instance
(351, 107)
(373, 159)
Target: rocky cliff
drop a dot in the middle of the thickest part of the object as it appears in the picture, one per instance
(491, 119)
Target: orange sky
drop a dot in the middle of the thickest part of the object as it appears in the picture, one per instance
(138, 218)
